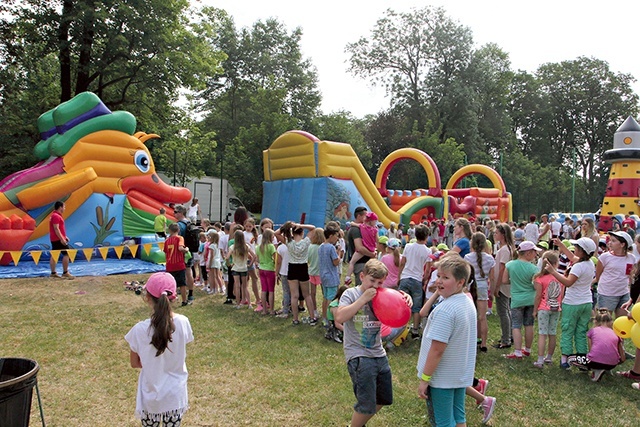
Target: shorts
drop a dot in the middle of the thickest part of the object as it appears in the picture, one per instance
(414, 288)
(196, 257)
(612, 303)
(314, 280)
(483, 293)
(371, 380)
(268, 280)
(58, 245)
(329, 292)
(448, 409)
(548, 322)
(521, 316)
(299, 272)
(189, 262)
(239, 273)
(180, 276)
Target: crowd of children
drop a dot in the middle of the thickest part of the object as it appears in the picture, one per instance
(450, 293)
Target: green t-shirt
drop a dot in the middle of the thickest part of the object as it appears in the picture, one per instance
(521, 276)
(266, 261)
(332, 304)
(160, 224)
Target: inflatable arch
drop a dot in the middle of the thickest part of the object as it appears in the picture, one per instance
(427, 163)
(490, 173)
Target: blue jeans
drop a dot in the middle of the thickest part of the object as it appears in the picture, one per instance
(371, 380)
(414, 288)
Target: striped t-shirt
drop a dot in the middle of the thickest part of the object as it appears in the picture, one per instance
(452, 322)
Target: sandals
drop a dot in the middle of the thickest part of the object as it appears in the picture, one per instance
(628, 374)
(295, 322)
(501, 346)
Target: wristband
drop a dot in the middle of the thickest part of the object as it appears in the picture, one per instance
(426, 377)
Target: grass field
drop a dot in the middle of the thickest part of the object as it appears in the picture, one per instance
(249, 370)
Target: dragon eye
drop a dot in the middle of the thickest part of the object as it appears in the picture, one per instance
(141, 160)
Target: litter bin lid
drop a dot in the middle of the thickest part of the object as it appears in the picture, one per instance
(32, 365)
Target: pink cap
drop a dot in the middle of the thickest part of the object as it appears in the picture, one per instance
(161, 283)
(371, 216)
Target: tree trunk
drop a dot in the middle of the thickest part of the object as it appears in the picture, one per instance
(86, 44)
(64, 54)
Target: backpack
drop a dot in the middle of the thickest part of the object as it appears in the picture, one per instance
(192, 236)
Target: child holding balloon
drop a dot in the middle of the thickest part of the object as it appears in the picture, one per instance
(366, 358)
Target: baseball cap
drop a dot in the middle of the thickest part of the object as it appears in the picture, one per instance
(623, 235)
(527, 246)
(161, 283)
(383, 240)
(412, 223)
(585, 244)
(442, 247)
(371, 216)
(543, 245)
(393, 243)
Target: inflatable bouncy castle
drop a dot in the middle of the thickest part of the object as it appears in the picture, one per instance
(306, 179)
(94, 161)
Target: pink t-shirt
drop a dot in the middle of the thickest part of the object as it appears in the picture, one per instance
(369, 236)
(392, 278)
(614, 280)
(552, 292)
(604, 345)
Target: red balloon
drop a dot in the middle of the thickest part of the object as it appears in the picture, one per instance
(390, 307)
(385, 330)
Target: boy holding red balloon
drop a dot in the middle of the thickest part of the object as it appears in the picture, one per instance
(367, 361)
(448, 350)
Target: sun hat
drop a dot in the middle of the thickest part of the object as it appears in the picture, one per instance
(566, 242)
(161, 283)
(442, 247)
(393, 243)
(371, 216)
(383, 240)
(623, 235)
(585, 244)
(527, 246)
(543, 245)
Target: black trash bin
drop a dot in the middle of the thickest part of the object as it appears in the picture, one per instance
(17, 379)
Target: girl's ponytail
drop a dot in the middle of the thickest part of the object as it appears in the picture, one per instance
(162, 323)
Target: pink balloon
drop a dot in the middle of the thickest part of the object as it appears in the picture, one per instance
(390, 307)
(385, 330)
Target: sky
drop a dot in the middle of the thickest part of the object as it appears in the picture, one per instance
(532, 33)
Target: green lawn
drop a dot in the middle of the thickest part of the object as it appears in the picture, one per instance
(246, 369)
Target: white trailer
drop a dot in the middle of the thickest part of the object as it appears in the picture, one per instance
(216, 196)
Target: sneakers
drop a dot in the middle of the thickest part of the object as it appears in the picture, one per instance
(184, 303)
(228, 302)
(501, 346)
(596, 374)
(295, 322)
(539, 364)
(482, 386)
(282, 315)
(306, 320)
(55, 275)
(548, 360)
(628, 374)
(415, 335)
(313, 321)
(526, 353)
(190, 299)
(488, 405)
(258, 308)
(635, 386)
(512, 356)
(565, 366)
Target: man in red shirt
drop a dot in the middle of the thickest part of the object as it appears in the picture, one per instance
(59, 241)
(174, 250)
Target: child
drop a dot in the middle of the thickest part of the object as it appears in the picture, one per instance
(369, 233)
(411, 274)
(282, 268)
(576, 305)
(251, 238)
(391, 260)
(242, 256)
(266, 254)
(546, 308)
(158, 347)
(366, 358)
(214, 263)
(446, 362)
(174, 250)
(317, 238)
(519, 273)
(328, 262)
(335, 330)
(606, 350)
(160, 224)
(200, 259)
(483, 264)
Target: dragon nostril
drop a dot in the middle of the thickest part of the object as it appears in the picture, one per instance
(155, 179)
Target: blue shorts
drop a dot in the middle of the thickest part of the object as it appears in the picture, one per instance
(445, 406)
(612, 303)
(371, 379)
(414, 288)
(521, 316)
(329, 292)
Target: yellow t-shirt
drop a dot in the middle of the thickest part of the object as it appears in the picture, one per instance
(160, 224)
